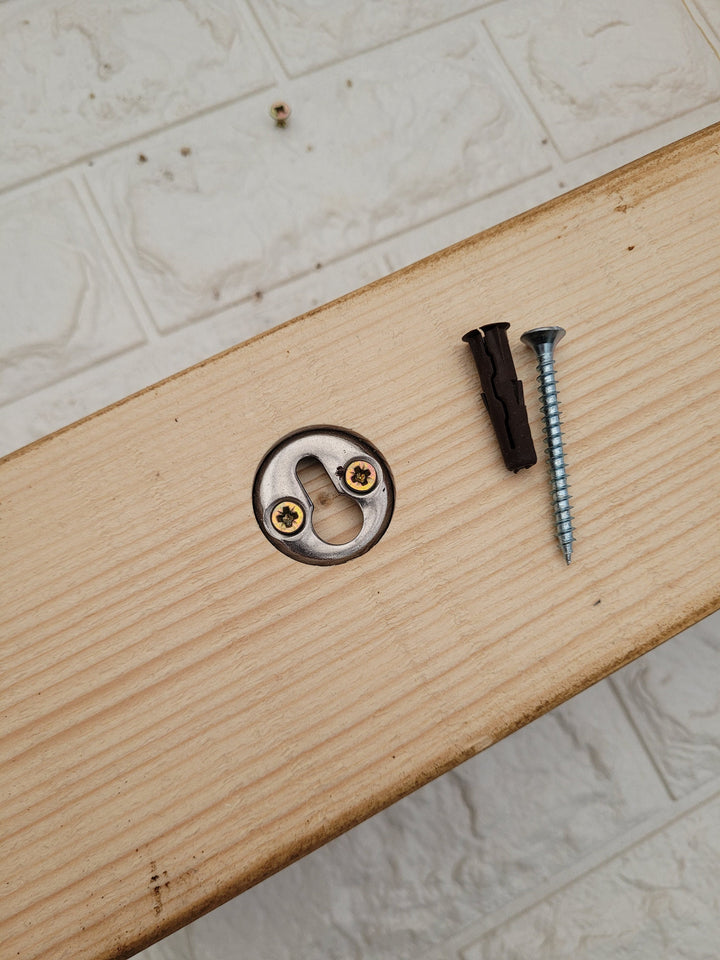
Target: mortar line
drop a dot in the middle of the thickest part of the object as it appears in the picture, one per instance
(150, 328)
(698, 18)
(113, 252)
(524, 96)
(641, 740)
(264, 41)
(146, 136)
(662, 819)
(381, 44)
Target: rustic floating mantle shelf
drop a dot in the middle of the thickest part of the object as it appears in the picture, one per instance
(185, 710)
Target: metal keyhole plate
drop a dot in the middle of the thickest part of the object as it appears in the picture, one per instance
(284, 510)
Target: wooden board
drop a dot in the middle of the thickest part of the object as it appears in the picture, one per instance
(184, 710)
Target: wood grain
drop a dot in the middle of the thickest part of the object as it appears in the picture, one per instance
(184, 710)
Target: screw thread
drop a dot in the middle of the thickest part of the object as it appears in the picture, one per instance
(555, 455)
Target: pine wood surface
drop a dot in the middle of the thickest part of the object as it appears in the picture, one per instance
(184, 710)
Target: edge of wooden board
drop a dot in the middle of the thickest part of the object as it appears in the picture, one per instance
(665, 156)
(660, 168)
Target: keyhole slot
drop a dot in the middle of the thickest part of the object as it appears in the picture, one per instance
(336, 518)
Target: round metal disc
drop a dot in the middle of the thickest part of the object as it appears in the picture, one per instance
(277, 484)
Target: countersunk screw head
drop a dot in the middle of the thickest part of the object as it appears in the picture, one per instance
(280, 112)
(360, 476)
(542, 338)
(287, 517)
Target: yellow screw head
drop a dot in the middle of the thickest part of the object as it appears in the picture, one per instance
(287, 517)
(280, 112)
(360, 476)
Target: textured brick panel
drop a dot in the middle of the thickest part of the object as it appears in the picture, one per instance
(60, 303)
(658, 901)
(598, 72)
(104, 383)
(231, 204)
(463, 845)
(78, 76)
(308, 33)
(711, 10)
(674, 698)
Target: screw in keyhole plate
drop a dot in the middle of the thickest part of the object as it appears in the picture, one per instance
(287, 517)
(360, 476)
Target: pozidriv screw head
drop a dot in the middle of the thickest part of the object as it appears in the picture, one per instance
(280, 112)
(360, 476)
(287, 517)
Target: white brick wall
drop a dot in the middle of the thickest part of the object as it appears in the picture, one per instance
(598, 72)
(229, 204)
(79, 76)
(152, 214)
(652, 901)
(63, 307)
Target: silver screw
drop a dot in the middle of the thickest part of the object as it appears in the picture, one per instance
(543, 340)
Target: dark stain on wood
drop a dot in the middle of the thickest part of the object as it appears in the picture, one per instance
(157, 882)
